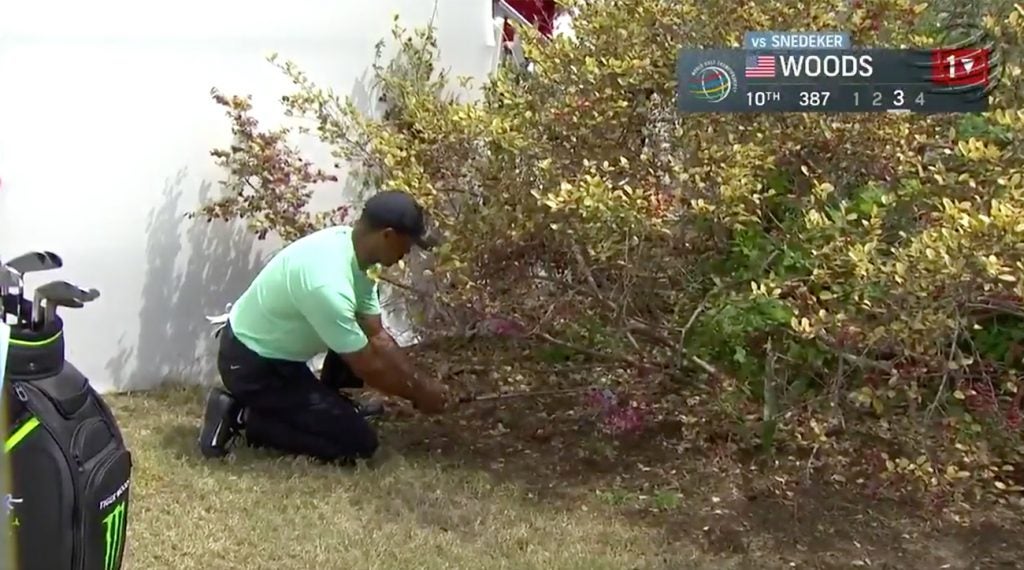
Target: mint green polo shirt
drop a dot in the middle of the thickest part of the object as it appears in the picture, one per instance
(306, 299)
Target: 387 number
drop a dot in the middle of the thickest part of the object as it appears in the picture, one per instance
(813, 98)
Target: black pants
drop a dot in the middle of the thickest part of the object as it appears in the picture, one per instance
(289, 409)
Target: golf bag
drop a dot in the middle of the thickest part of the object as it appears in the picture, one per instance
(67, 506)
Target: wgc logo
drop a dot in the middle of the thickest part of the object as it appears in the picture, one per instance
(712, 81)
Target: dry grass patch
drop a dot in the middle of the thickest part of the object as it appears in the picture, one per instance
(256, 511)
(524, 484)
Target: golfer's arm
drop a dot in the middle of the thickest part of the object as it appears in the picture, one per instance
(332, 315)
(380, 372)
(382, 341)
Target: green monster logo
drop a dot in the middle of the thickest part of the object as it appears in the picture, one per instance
(114, 525)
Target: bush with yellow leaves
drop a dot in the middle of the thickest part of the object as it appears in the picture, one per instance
(876, 257)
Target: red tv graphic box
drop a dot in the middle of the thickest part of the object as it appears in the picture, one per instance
(960, 67)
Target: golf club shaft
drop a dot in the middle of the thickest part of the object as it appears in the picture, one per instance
(37, 309)
(3, 294)
(510, 395)
(17, 298)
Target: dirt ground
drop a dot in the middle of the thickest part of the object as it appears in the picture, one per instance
(692, 497)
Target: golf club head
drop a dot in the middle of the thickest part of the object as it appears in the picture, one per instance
(62, 291)
(72, 303)
(26, 263)
(58, 294)
(35, 261)
(9, 278)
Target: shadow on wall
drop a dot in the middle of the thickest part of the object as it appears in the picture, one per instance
(175, 341)
(366, 99)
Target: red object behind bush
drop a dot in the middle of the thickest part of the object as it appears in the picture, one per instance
(540, 13)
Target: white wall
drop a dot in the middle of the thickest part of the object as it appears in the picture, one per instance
(108, 101)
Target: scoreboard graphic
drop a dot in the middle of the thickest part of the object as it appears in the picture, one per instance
(818, 72)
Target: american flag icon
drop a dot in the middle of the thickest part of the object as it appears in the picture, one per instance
(760, 66)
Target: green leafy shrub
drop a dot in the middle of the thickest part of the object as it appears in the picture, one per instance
(878, 257)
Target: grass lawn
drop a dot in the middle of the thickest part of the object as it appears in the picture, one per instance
(488, 488)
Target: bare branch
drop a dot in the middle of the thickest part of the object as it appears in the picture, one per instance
(945, 376)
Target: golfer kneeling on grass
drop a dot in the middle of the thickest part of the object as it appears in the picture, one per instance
(314, 297)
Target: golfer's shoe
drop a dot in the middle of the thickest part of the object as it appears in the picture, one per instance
(370, 409)
(221, 423)
(367, 408)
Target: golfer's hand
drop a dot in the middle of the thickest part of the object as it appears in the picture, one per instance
(432, 399)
